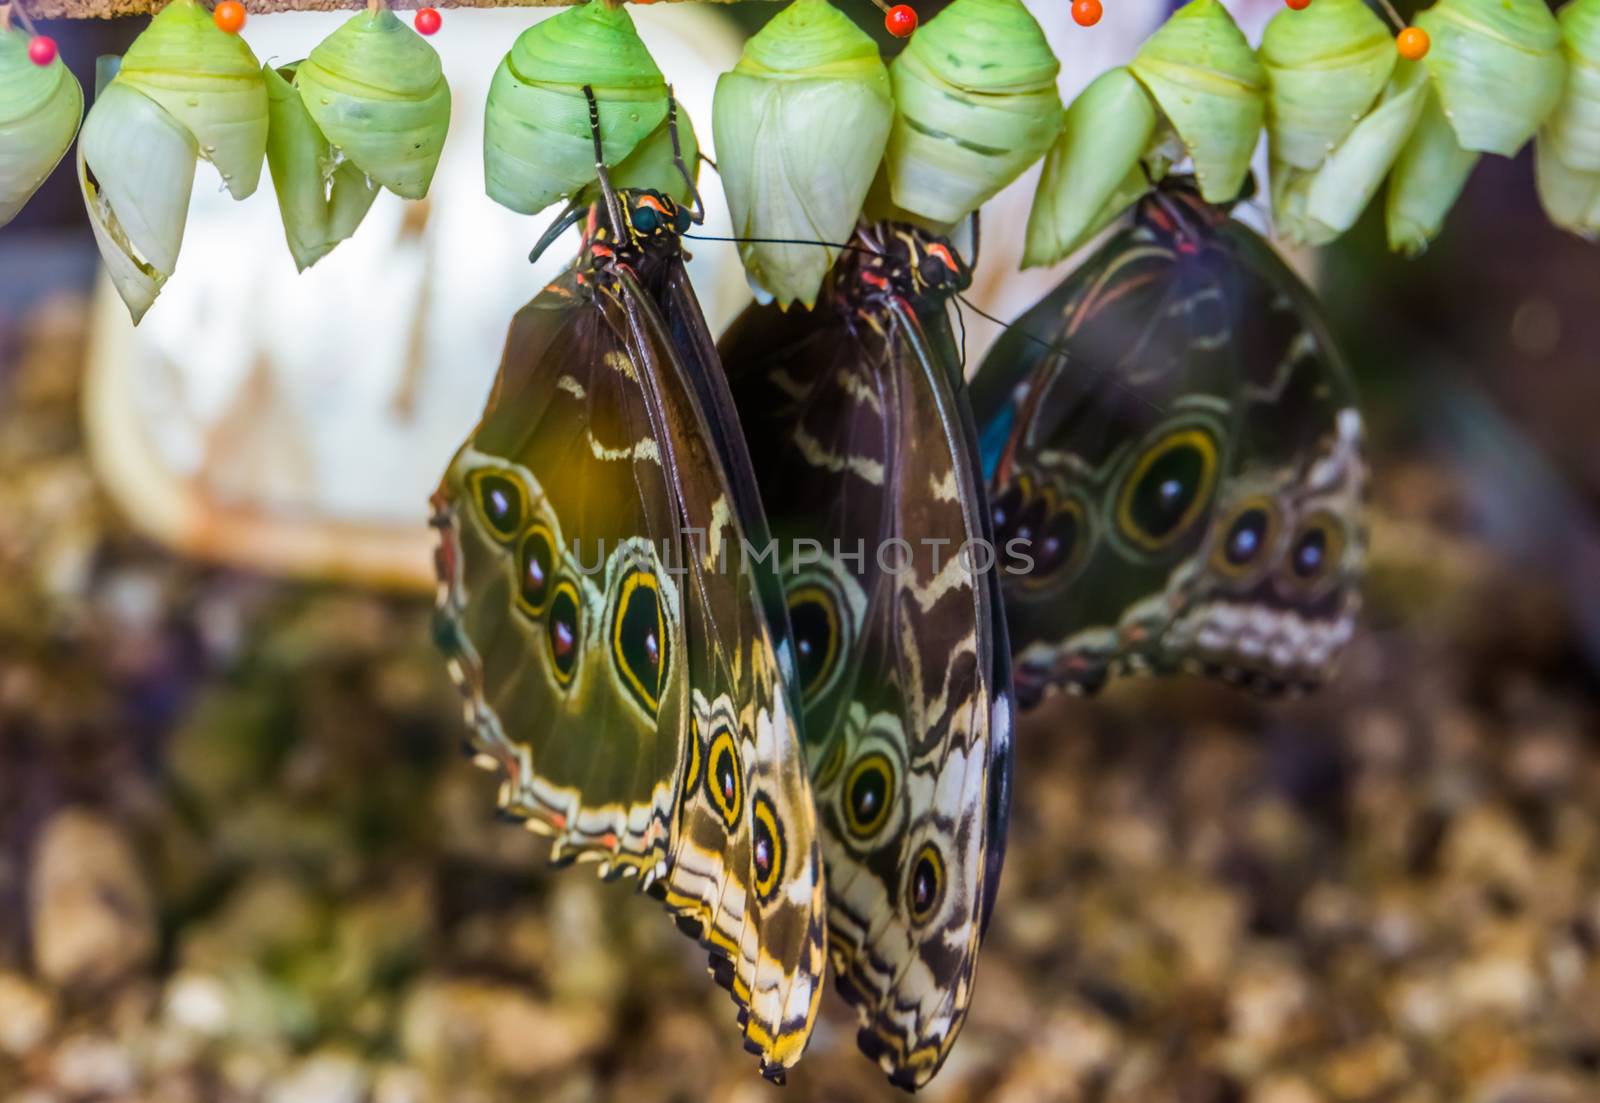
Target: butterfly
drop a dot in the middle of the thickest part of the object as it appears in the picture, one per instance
(1174, 453)
(867, 455)
(622, 665)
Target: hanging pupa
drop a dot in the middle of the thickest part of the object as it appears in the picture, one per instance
(976, 104)
(1567, 161)
(185, 91)
(1337, 115)
(1194, 89)
(1495, 72)
(40, 108)
(537, 146)
(1092, 172)
(1208, 83)
(371, 110)
(1313, 208)
(801, 124)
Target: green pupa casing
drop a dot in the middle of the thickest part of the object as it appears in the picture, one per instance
(1427, 179)
(1497, 68)
(537, 143)
(652, 166)
(40, 109)
(185, 90)
(1325, 68)
(976, 104)
(1313, 207)
(376, 90)
(801, 123)
(321, 197)
(1209, 84)
(1567, 165)
(1092, 172)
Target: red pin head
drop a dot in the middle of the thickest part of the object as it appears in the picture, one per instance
(228, 15)
(901, 20)
(41, 49)
(1298, 5)
(428, 21)
(1412, 43)
(1086, 13)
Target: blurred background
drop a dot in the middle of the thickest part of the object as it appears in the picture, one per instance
(242, 859)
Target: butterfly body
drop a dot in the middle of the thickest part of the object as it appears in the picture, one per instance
(630, 683)
(1172, 438)
(866, 452)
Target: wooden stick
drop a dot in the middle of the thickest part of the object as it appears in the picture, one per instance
(111, 9)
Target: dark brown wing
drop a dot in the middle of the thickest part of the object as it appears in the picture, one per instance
(871, 483)
(1173, 439)
(627, 684)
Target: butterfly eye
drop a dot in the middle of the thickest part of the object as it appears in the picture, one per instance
(814, 619)
(766, 848)
(561, 630)
(682, 220)
(868, 795)
(1168, 489)
(1248, 533)
(1316, 550)
(925, 888)
(500, 502)
(536, 568)
(645, 219)
(639, 645)
(723, 782)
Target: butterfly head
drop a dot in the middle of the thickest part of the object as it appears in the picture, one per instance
(649, 220)
(909, 263)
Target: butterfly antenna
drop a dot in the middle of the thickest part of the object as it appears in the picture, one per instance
(781, 241)
(570, 216)
(613, 204)
(1058, 350)
(697, 214)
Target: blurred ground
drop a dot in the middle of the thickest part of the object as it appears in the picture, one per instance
(241, 859)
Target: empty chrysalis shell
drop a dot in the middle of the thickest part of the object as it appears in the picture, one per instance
(1567, 164)
(321, 198)
(537, 147)
(975, 92)
(801, 123)
(1497, 67)
(369, 108)
(1325, 68)
(375, 89)
(40, 108)
(1427, 179)
(1208, 83)
(1495, 71)
(1314, 207)
(1092, 172)
(186, 90)
(652, 167)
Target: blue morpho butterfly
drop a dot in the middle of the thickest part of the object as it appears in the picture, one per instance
(638, 698)
(1173, 438)
(866, 452)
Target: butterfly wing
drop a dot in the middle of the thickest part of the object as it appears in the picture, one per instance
(1173, 439)
(865, 450)
(628, 687)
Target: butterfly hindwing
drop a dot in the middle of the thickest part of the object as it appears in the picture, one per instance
(866, 453)
(1174, 441)
(628, 687)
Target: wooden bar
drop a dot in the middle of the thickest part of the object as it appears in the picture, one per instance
(111, 9)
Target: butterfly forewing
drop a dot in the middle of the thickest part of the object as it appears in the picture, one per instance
(857, 431)
(1173, 439)
(625, 682)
